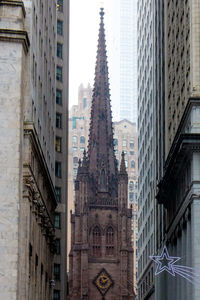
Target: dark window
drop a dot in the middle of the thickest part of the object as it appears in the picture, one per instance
(57, 271)
(82, 140)
(59, 97)
(58, 246)
(131, 144)
(58, 169)
(59, 27)
(110, 241)
(96, 241)
(75, 160)
(59, 50)
(56, 295)
(58, 120)
(131, 196)
(58, 193)
(133, 164)
(59, 73)
(58, 144)
(57, 221)
(84, 102)
(60, 5)
(115, 142)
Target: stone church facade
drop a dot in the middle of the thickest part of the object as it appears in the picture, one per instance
(101, 257)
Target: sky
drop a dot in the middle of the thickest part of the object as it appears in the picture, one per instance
(84, 25)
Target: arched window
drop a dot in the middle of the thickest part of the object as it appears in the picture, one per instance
(96, 236)
(82, 140)
(110, 241)
(103, 179)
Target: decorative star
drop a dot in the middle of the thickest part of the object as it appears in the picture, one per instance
(165, 262)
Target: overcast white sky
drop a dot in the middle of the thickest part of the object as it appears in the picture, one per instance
(84, 25)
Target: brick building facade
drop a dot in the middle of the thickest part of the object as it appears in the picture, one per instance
(101, 257)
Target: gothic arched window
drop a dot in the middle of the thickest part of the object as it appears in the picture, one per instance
(110, 241)
(103, 179)
(96, 240)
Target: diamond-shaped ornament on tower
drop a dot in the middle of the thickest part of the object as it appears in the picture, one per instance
(103, 282)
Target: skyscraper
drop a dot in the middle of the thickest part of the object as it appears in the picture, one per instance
(123, 63)
(178, 189)
(146, 153)
(61, 148)
(101, 257)
(27, 151)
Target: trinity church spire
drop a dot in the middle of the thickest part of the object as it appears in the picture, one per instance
(101, 159)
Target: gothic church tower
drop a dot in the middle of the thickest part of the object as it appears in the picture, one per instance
(101, 257)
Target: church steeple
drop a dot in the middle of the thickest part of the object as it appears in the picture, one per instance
(101, 158)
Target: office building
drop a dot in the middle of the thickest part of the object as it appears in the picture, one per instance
(146, 153)
(28, 117)
(178, 189)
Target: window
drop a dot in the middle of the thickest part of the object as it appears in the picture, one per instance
(124, 143)
(73, 122)
(58, 246)
(59, 73)
(57, 271)
(56, 295)
(75, 160)
(131, 144)
(82, 140)
(58, 120)
(84, 102)
(58, 169)
(116, 151)
(59, 27)
(60, 5)
(58, 193)
(110, 241)
(133, 164)
(59, 97)
(57, 221)
(74, 149)
(75, 172)
(96, 241)
(59, 50)
(58, 144)
(131, 196)
(74, 139)
(82, 149)
(131, 152)
(131, 186)
(115, 142)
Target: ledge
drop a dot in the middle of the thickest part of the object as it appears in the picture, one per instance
(14, 3)
(29, 129)
(18, 36)
(184, 143)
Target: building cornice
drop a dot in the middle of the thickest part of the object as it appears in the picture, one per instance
(17, 36)
(29, 130)
(14, 3)
(184, 143)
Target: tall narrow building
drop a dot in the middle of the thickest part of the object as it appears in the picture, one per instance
(179, 180)
(146, 153)
(101, 257)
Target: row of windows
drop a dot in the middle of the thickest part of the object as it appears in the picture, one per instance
(75, 139)
(97, 241)
(125, 152)
(124, 143)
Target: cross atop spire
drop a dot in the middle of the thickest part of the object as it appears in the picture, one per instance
(101, 158)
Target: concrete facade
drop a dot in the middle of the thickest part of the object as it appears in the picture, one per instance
(27, 155)
(181, 163)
